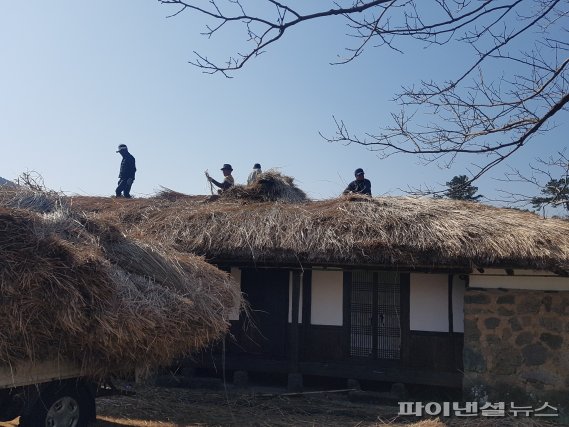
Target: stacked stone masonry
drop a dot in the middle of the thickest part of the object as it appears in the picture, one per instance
(516, 346)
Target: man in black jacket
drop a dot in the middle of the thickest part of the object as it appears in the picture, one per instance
(127, 172)
(360, 185)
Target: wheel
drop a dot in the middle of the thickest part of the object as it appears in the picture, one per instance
(60, 405)
(63, 412)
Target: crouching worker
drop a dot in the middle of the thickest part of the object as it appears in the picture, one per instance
(254, 175)
(127, 172)
(228, 180)
(360, 185)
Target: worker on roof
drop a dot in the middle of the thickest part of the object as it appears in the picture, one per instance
(254, 175)
(127, 172)
(228, 180)
(360, 185)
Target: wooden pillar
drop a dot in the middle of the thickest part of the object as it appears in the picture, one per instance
(451, 321)
(450, 313)
(375, 316)
(405, 301)
(306, 312)
(347, 318)
(294, 329)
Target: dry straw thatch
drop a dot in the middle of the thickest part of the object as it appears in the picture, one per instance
(399, 232)
(270, 186)
(77, 288)
(33, 200)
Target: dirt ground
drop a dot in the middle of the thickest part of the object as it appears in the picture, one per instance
(153, 406)
(175, 407)
(172, 407)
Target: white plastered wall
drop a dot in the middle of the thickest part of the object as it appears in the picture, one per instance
(327, 298)
(429, 302)
(521, 279)
(236, 275)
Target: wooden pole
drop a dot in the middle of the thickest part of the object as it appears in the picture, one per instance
(294, 330)
(451, 321)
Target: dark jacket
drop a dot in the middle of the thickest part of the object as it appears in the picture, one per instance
(128, 166)
(228, 182)
(359, 187)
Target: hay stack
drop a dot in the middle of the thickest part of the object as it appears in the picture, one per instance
(78, 289)
(271, 186)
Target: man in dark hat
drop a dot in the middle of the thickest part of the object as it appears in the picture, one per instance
(254, 174)
(360, 185)
(127, 172)
(228, 180)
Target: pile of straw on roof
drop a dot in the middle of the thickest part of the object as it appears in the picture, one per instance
(270, 186)
(77, 288)
(357, 230)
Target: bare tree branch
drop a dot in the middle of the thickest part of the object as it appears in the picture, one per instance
(479, 112)
(549, 180)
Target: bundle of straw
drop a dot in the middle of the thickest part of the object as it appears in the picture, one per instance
(77, 288)
(270, 186)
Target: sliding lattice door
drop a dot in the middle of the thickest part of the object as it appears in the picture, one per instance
(375, 324)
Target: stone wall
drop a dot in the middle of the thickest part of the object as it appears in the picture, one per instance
(516, 346)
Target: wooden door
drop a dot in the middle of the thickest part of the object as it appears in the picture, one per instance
(267, 292)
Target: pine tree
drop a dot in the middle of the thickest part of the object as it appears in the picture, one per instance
(460, 188)
(555, 193)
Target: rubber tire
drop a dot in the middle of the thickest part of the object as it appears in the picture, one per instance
(35, 415)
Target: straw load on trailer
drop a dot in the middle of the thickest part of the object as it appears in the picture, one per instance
(80, 289)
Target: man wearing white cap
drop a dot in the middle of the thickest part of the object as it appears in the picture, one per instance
(254, 175)
(127, 172)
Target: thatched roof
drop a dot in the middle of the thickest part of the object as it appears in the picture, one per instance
(77, 288)
(401, 232)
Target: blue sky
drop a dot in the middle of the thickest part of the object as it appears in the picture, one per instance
(79, 78)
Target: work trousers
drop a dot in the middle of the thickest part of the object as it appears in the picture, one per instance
(124, 187)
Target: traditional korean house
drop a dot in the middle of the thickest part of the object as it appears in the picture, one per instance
(398, 289)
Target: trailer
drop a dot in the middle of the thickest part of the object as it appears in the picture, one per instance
(52, 394)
